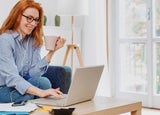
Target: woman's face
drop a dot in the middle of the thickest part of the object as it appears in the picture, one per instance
(29, 20)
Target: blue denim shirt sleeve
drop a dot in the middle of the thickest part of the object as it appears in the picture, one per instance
(12, 63)
(9, 74)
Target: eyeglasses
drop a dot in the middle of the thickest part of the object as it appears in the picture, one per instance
(30, 19)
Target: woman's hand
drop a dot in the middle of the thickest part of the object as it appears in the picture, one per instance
(52, 92)
(60, 43)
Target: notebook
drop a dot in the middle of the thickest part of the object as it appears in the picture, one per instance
(83, 87)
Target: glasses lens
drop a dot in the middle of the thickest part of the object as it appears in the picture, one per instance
(30, 19)
(37, 20)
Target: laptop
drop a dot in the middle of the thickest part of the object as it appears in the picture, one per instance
(83, 88)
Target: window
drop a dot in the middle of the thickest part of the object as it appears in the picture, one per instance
(138, 50)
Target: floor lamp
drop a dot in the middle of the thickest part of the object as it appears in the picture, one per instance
(72, 8)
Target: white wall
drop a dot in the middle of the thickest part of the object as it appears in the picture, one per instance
(49, 7)
(94, 42)
(5, 7)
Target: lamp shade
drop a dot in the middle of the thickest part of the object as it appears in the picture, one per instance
(72, 7)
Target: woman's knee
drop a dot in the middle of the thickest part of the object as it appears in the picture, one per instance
(46, 84)
(41, 82)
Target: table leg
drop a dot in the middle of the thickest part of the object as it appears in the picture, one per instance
(138, 112)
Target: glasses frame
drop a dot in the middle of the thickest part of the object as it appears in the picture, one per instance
(30, 19)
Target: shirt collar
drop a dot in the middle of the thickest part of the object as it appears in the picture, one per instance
(16, 35)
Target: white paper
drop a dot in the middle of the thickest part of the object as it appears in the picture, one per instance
(26, 108)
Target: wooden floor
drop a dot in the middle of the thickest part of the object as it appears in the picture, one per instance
(146, 111)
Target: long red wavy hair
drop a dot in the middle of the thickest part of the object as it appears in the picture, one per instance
(13, 20)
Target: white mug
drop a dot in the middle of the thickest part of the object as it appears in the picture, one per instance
(50, 42)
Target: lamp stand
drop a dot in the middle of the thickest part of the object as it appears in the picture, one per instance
(71, 47)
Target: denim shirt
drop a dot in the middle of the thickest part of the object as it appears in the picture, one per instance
(19, 59)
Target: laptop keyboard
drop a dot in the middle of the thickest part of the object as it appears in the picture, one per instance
(63, 96)
(58, 102)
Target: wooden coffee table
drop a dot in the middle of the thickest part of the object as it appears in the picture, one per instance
(104, 106)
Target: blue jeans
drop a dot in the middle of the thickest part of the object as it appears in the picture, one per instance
(9, 94)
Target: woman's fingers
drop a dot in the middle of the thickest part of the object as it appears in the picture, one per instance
(60, 43)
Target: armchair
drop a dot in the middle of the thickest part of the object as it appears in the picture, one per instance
(60, 77)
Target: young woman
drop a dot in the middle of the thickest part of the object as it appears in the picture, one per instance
(21, 66)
